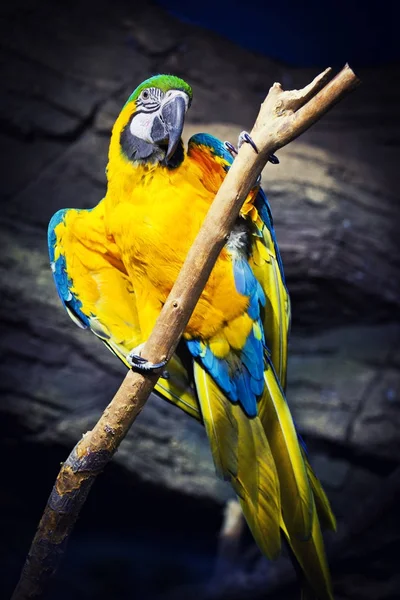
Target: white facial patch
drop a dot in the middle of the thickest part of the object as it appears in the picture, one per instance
(141, 125)
(142, 122)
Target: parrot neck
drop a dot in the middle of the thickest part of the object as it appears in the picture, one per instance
(125, 175)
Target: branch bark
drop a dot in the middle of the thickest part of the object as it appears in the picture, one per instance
(283, 116)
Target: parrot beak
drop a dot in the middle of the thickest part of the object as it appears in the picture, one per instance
(173, 114)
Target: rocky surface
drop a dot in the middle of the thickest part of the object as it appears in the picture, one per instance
(65, 76)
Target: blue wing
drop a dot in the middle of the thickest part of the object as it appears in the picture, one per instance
(63, 282)
(258, 273)
(102, 300)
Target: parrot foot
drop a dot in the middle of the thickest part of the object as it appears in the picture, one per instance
(138, 363)
(273, 159)
(244, 137)
(231, 148)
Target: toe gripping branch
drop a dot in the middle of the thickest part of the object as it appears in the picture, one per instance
(142, 365)
(273, 159)
(244, 137)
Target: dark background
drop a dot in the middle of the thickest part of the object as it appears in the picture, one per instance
(150, 527)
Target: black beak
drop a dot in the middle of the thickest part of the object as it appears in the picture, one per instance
(173, 114)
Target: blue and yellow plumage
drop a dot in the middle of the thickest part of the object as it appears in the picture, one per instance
(114, 266)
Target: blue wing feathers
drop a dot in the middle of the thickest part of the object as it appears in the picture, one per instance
(241, 374)
(261, 202)
(245, 281)
(194, 347)
(254, 308)
(245, 393)
(224, 379)
(253, 357)
(60, 274)
(257, 386)
(215, 145)
(208, 361)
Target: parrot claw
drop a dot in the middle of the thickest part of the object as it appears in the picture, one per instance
(244, 137)
(233, 151)
(138, 363)
(231, 148)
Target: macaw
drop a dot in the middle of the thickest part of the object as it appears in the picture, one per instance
(114, 266)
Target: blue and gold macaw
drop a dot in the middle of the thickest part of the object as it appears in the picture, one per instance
(114, 266)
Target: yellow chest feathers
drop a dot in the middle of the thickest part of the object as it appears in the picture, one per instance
(154, 216)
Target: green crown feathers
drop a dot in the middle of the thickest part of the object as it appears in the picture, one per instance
(164, 83)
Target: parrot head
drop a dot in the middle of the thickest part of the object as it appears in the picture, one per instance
(149, 127)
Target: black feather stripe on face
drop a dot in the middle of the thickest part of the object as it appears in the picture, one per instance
(146, 110)
(152, 102)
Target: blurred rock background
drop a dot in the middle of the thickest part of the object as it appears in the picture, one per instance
(150, 527)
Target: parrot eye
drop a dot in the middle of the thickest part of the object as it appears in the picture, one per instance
(145, 94)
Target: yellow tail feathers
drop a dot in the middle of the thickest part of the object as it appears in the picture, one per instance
(302, 497)
(267, 468)
(242, 456)
(312, 560)
(325, 514)
(296, 494)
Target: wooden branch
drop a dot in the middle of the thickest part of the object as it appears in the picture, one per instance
(283, 116)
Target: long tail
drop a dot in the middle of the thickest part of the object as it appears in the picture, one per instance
(242, 455)
(296, 493)
(311, 557)
(302, 496)
(270, 472)
(324, 510)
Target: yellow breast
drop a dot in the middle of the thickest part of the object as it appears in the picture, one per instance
(153, 215)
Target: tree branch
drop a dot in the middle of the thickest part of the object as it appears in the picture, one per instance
(283, 116)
